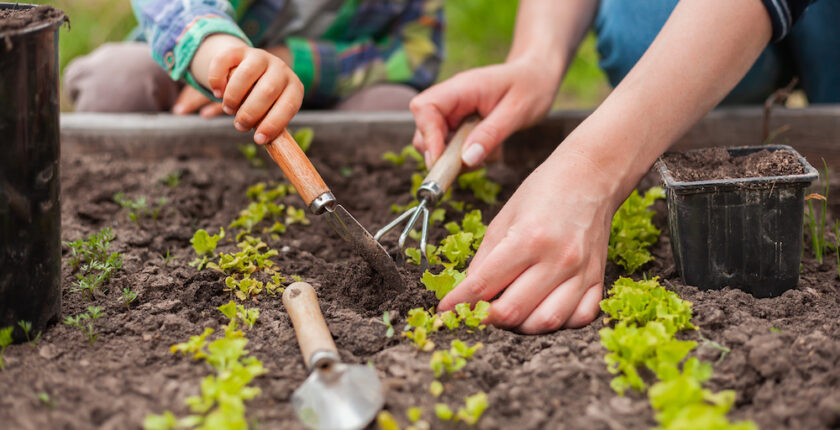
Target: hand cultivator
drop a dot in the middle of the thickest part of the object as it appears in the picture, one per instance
(434, 186)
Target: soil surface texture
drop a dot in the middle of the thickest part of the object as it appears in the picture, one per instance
(783, 359)
(718, 163)
(20, 19)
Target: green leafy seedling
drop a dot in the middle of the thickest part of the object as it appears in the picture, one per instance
(304, 137)
(26, 326)
(167, 258)
(445, 362)
(442, 283)
(386, 321)
(632, 231)
(474, 407)
(85, 322)
(5, 340)
(250, 151)
(436, 388)
(483, 188)
(204, 244)
(414, 414)
(128, 297)
(386, 421)
(443, 412)
(473, 317)
(46, 400)
(172, 179)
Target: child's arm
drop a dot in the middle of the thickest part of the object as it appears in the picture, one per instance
(346, 59)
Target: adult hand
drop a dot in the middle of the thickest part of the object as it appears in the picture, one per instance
(191, 100)
(508, 96)
(545, 252)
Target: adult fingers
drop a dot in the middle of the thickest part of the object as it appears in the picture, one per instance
(483, 282)
(500, 123)
(219, 68)
(286, 106)
(431, 129)
(211, 110)
(523, 295)
(588, 308)
(241, 81)
(556, 309)
(189, 101)
(261, 97)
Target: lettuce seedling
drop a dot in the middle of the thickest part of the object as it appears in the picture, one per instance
(250, 151)
(139, 208)
(85, 322)
(443, 412)
(386, 321)
(640, 302)
(420, 338)
(414, 414)
(239, 315)
(128, 297)
(474, 407)
(483, 189)
(450, 319)
(406, 153)
(473, 317)
(446, 361)
(248, 260)
(296, 216)
(436, 388)
(243, 288)
(5, 340)
(195, 345)
(457, 347)
(442, 283)
(304, 137)
(386, 421)
(204, 244)
(632, 231)
(457, 248)
(414, 255)
(471, 224)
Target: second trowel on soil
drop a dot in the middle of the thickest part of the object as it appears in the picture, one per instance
(315, 193)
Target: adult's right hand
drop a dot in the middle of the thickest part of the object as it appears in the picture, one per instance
(507, 96)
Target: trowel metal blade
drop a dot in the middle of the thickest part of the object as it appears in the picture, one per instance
(341, 397)
(372, 251)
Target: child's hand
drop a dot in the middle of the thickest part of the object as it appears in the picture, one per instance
(256, 86)
(191, 100)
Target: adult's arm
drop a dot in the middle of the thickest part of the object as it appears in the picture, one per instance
(546, 249)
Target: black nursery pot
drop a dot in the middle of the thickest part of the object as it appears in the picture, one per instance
(30, 223)
(744, 233)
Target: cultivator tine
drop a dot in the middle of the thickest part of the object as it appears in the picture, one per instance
(424, 235)
(390, 226)
(413, 220)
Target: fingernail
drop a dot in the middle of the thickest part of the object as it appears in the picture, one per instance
(428, 157)
(239, 126)
(228, 110)
(473, 155)
(260, 138)
(217, 94)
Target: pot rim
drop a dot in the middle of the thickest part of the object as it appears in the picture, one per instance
(56, 22)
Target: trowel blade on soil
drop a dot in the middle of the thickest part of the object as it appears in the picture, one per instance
(372, 251)
(340, 397)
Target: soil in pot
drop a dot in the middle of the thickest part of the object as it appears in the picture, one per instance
(783, 358)
(20, 19)
(718, 163)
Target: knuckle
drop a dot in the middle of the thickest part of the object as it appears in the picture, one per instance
(549, 321)
(245, 118)
(505, 314)
(571, 258)
(478, 287)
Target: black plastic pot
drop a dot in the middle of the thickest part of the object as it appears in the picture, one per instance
(30, 223)
(743, 233)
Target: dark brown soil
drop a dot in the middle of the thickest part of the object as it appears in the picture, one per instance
(19, 19)
(785, 378)
(717, 163)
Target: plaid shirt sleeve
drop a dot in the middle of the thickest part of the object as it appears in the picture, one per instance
(355, 53)
(783, 14)
(175, 29)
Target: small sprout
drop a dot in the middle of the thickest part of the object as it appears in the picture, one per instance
(450, 320)
(406, 153)
(5, 340)
(775, 330)
(167, 258)
(420, 338)
(195, 345)
(304, 137)
(457, 347)
(239, 315)
(446, 362)
(632, 231)
(85, 322)
(436, 388)
(249, 150)
(474, 406)
(297, 278)
(414, 255)
(482, 188)
(26, 326)
(46, 400)
(442, 283)
(345, 171)
(386, 421)
(128, 297)
(414, 414)
(172, 180)
(443, 412)
(473, 317)
(386, 321)
(296, 216)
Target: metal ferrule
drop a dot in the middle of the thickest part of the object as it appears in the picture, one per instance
(322, 203)
(429, 191)
(322, 359)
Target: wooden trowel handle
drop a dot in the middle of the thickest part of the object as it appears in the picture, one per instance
(447, 167)
(310, 328)
(297, 167)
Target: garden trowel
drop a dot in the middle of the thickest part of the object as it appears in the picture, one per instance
(317, 196)
(335, 396)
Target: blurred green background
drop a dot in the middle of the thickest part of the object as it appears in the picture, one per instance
(478, 33)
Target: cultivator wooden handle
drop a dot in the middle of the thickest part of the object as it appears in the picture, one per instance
(310, 328)
(297, 167)
(447, 167)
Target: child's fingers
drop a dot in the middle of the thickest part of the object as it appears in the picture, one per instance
(189, 101)
(219, 68)
(211, 110)
(281, 113)
(262, 96)
(241, 81)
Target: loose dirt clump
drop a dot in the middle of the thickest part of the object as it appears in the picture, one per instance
(20, 19)
(784, 358)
